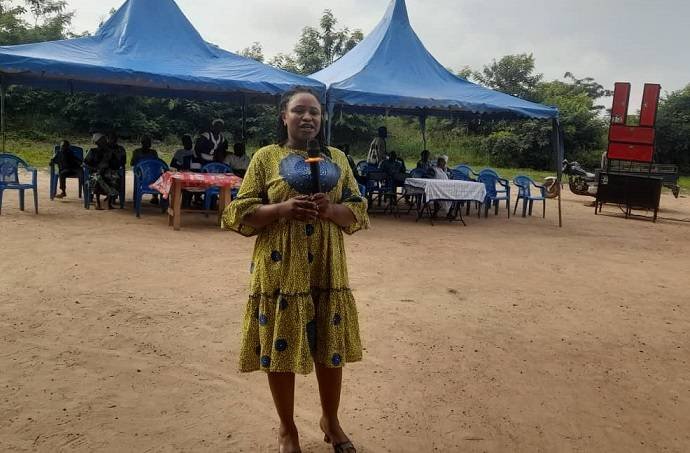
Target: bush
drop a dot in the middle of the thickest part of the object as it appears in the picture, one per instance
(503, 149)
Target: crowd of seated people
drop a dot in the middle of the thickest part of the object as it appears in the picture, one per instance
(106, 160)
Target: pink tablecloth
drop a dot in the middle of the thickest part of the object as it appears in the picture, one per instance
(199, 180)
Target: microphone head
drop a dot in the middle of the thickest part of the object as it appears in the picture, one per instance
(313, 149)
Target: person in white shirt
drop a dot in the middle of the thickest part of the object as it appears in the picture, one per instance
(238, 160)
(440, 171)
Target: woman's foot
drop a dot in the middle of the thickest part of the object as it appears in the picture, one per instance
(288, 439)
(334, 435)
(61, 195)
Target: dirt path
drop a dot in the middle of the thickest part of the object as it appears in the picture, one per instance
(119, 334)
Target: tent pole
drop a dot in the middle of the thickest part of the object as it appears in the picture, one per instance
(329, 123)
(2, 110)
(422, 128)
(558, 146)
(244, 118)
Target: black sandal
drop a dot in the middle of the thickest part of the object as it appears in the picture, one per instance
(342, 447)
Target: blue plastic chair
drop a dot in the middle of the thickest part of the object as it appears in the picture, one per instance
(88, 189)
(458, 175)
(493, 195)
(78, 152)
(524, 184)
(417, 173)
(467, 171)
(372, 185)
(146, 172)
(9, 179)
(504, 187)
(211, 192)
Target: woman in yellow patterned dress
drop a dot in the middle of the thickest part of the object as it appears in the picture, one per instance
(301, 311)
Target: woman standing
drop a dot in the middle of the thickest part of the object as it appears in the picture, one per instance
(301, 311)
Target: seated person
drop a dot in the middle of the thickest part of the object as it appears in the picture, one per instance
(424, 163)
(182, 160)
(104, 170)
(440, 170)
(394, 169)
(118, 150)
(68, 165)
(210, 146)
(238, 160)
(143, 153)
(360, 179)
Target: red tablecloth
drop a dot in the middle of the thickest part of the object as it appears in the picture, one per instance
(190, 179)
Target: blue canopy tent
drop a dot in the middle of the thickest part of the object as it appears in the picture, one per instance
(391, 72)
(148, 48)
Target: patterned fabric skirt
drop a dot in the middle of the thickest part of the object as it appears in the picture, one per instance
(106, 182)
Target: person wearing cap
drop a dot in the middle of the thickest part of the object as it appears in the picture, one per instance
(104, 175)
(210, 146)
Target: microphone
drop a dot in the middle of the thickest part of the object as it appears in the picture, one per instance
(314, 153)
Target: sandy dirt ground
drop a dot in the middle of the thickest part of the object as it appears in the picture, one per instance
(120, 334)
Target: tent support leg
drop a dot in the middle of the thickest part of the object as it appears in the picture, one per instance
(329, 123)
(2, 111)
(558, 152)
(422, 128)
(244, 118)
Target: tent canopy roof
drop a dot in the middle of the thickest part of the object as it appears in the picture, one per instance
(392, 70)
(148, 47)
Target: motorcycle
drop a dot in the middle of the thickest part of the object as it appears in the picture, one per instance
(580, 181)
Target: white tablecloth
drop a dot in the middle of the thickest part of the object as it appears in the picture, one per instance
(448, 189)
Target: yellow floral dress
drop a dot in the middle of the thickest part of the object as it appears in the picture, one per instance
(300, 307)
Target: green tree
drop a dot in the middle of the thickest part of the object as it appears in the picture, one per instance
(673, 129)
(512, 74)
(51, 21)
(255, 52)
(286, 62)
(466, 73)
(593, 89)
(317, 48)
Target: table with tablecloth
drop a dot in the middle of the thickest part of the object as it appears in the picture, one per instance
(171, 184)
(444, 190)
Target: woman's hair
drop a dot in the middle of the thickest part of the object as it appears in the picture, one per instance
(282, 132)
(65, 144)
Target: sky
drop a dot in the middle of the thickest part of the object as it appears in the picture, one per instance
(635, 41)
